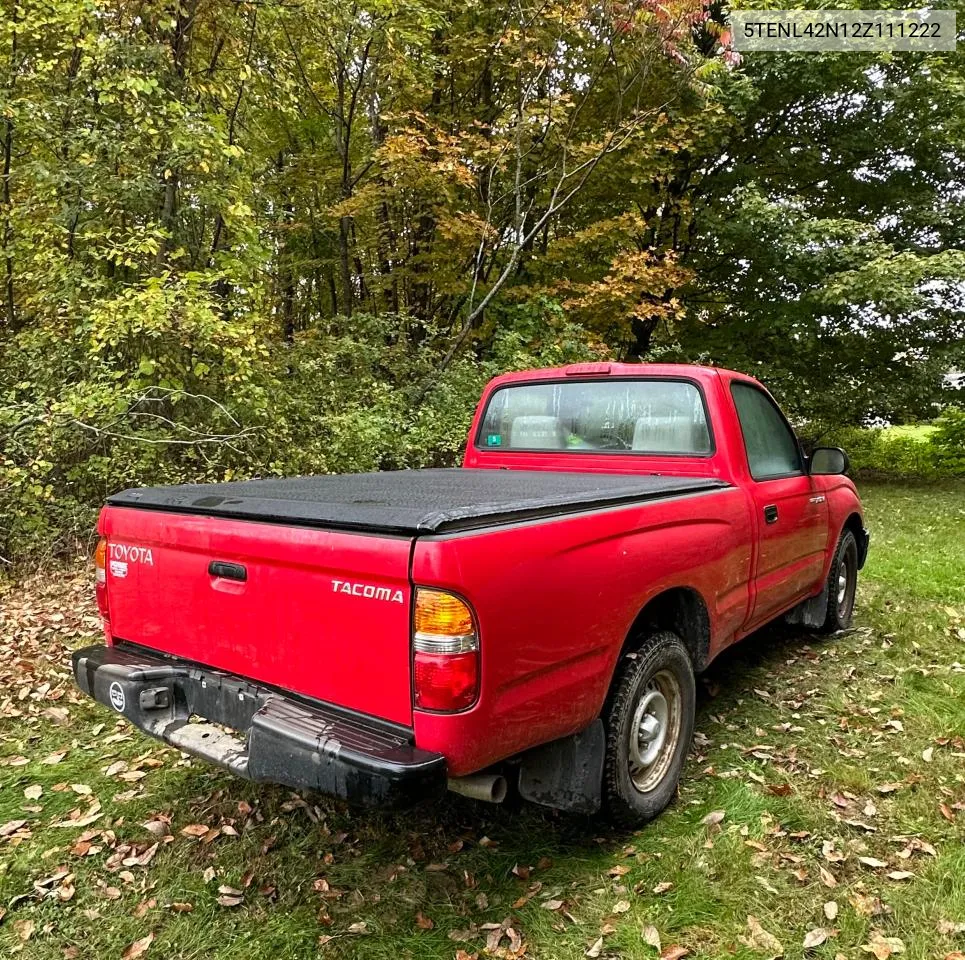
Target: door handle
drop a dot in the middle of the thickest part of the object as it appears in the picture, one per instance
(770, 513)
(229, 571)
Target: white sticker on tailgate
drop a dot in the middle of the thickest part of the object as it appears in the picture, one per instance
(118, 568)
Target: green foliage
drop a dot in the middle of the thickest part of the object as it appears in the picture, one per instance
(948, 442)
(248, 239)
(157, 387)
(877, 452)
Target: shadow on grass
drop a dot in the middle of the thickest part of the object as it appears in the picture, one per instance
(521, 830)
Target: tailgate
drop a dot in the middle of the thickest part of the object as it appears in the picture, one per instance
(321, 613)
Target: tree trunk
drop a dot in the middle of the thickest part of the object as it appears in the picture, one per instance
(180, 48)
(6, 201)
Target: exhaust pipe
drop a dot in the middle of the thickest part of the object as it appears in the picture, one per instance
(488, 787)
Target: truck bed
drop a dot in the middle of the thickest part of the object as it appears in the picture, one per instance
(412, 502)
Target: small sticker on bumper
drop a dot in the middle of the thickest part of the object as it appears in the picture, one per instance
(117, 698)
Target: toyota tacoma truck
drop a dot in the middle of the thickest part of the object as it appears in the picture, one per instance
(533, 619)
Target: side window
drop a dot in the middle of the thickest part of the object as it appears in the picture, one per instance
(771, 448)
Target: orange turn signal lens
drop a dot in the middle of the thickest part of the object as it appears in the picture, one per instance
(100, 577)
(100, 555)
(445, 652)
(440, 614)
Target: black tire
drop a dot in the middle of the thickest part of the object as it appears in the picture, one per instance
(842, 585)
(635, 793)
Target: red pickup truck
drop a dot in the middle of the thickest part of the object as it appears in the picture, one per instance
(539, 613)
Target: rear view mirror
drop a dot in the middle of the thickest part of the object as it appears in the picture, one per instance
(829, 461)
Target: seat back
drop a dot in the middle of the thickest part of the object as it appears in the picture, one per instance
(667, 434)
(536, 433)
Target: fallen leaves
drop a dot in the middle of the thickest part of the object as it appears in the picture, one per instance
(651, 937)
(760, 940)
(196, 830)
(889, 787)
(816, 936)
(883, 947)
(138, 948)
(595, 949)
(80, 818)
(230, 896)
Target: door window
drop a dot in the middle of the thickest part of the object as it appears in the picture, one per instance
(772, 450)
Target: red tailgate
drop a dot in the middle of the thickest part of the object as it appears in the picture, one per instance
(322, 613)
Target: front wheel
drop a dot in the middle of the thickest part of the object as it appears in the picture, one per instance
(649, 722)
(842, 585)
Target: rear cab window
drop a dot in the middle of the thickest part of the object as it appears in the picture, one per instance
(661, 417)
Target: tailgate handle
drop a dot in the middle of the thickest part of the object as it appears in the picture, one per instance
(230, 571)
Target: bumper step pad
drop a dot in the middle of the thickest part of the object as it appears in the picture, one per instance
(279, 740)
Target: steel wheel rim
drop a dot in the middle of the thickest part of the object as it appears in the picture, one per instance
(654, 731)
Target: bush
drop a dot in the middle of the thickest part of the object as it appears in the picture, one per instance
(876, 452)
(948, 442)
(158, 385)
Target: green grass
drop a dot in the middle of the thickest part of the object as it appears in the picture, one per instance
(914, 431)
(795, 735)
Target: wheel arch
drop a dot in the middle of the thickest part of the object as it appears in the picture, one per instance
(855, 524)
(681, 610)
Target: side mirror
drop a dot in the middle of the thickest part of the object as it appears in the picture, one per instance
(828, 461)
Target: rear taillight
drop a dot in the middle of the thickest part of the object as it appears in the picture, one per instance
(446, 644)
(100, 572)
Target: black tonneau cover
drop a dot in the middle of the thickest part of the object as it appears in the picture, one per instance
(412, 501)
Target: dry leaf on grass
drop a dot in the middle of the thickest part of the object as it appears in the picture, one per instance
(674, 952)
(831, 909)
(889, 787)
(827, 878)
(651, 937)
(621, 906)
(715, 816)
(194, 830)
(883, 947)
(759, 940)
(138, 948)
(230, 896)
(815, 937)
(595, 948)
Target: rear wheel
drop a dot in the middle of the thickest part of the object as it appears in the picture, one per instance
(842, 585)
(649, 722)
